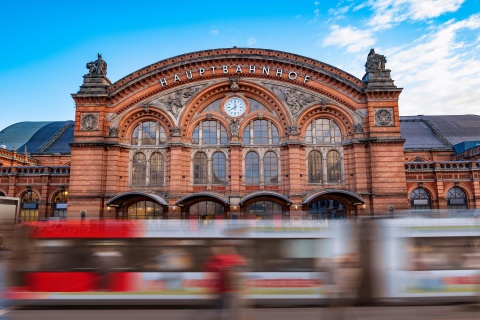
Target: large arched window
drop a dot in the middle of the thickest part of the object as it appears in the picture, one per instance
(30, 200)
(200, 169)
(148, 133)
(219, 168)
(157, 165)
(334, 166)
(323, 131)
(252, 168)
(420, 199)
(315, 174)
(209, 133)
(139, 169)
(260, 132)
(456, 199)
(270, 168)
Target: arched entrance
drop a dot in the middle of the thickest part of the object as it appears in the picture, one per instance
(268, 209)
(332, 204)
(139, 205)
(203, 209)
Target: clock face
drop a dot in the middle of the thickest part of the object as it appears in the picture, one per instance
(235, 107)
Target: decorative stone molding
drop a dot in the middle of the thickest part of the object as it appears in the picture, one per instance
(176, 100)
(296, 100)
(89, 121)
(293, 130)
(383, 117)
(234, 127)
(113, 132)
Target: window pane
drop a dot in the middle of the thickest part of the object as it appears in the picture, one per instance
(162, 135)
(139, 169)
(270, 171)
(260, 132)
(200, 168)
(223, 135)
(323, 131)
(209, 131)
(156, 169)
(274, 134)
(246, 135)
(219, 168)
(134, 140)
(148, 133)
(315, 167)
(195, 137)
(252, 171)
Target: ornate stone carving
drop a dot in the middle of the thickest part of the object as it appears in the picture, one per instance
(97, 67)
(89, 121)
(176, 132)
(295, 99)
(175, 101)
(234, 83)
(375, 61)
(113, 132)
(293, 130)
(234, 127)
(383, 117)
(358, 127)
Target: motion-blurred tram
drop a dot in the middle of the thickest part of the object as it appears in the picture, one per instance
(163, 261)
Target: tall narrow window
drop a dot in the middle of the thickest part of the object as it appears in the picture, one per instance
(219, 168)
(315, 167)
(156, 169)
(333, 167)
(200, 170)
(139, 169)
(252, 169)
(270, 165)
(30, 200)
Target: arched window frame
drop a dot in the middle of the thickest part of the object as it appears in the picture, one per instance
(252, 168)
(456, 198)
(157, 169)
(270, 168)
(200, 168)
(315, 167)
(219, 168)
(139, 169)
(420, 199)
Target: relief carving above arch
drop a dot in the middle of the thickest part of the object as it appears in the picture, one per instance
(297, 100)
(171, 101)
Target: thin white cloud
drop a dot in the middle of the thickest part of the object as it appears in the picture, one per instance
(252, 41)
(353, 39)
(388, 13)
(214, 31)
(440, 70)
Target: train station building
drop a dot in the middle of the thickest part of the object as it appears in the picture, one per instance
(240, 133)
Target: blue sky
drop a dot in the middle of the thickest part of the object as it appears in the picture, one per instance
(432, 46)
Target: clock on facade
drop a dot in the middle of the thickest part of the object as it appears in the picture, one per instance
(235, 107)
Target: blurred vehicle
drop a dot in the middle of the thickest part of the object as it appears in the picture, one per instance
(162, 261)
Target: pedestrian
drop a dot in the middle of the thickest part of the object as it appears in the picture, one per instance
(225, 268)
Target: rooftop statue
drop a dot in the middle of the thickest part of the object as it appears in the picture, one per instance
(98, 66)
(375, 61)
